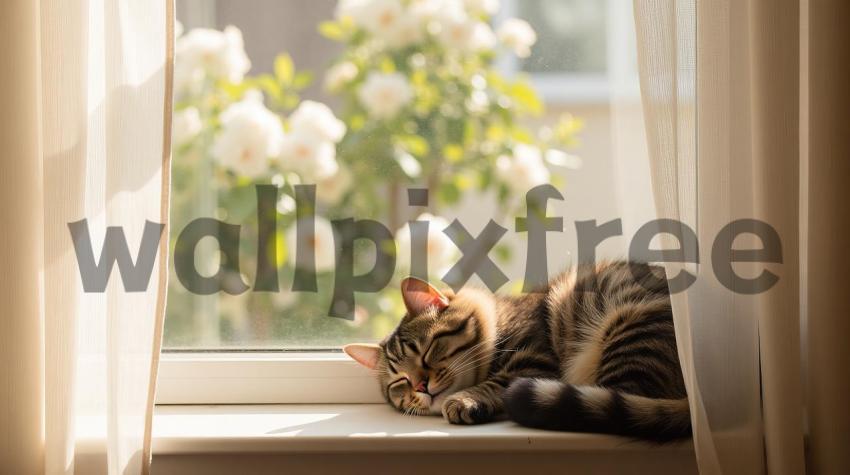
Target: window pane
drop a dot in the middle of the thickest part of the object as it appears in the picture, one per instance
(366, 104)
(571, 35)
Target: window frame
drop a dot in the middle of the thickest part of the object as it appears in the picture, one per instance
(327, 375)
(263, 377)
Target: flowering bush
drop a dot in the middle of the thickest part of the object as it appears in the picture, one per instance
(421, 104)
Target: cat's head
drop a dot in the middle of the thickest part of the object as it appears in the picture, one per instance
(443, 344)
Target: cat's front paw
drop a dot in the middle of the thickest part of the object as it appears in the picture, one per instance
(463, 408)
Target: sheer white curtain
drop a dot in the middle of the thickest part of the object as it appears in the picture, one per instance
(720, 82)
(89, 128)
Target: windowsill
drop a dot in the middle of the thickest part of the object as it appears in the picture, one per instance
(341, 428)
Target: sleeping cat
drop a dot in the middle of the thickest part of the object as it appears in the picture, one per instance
(594, 351)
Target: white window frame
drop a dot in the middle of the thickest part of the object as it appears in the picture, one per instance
(266, 377)
(330, 376)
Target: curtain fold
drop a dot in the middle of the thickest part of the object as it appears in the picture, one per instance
(720, 82)
(21, 391)
(775, 101)
(102, 151)
(828, 153)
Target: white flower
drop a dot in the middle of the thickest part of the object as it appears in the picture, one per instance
(442, 252)
(425, 11)
(523, 170)
(204, 52)
(320, 239)
(339, 75)
(436, 10)
(466, 34)
(483, 37)
(405, 31)
(386, 20)
(330, 190)
(478, 102)
(432, 14)
(317, 119)
(354, 10)
(381, 15)
(285, 204)
(185, 126)
(518, 35)
(178, 29)
(250, 136)
(312, 157)
(384, 94)
(482, 6)
(187, 78)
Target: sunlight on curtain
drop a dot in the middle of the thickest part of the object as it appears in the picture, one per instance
(104, 90)
(720, 104)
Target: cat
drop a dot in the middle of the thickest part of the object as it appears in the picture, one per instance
(593, 351)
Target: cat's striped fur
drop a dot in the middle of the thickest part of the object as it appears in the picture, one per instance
(594, 351)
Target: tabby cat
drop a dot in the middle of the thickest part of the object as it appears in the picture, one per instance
(593, 351)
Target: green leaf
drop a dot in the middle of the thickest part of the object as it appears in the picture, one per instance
(449, 193)
(284, 69)
(567, 129)
(522, 135)
(271, 87)
(485, 179)
(291, 102)
(280, 247)
(356, 122)
(332, 30)
(503, 252)
(414, 144)
(453, 152)
(233, 91)
(387, 65)
(464, 181)
(496, 133)
(419, 78)
(504, 193)
(302, 79)
(526, 96)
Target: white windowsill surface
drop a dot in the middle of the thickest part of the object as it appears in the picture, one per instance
(341, 428)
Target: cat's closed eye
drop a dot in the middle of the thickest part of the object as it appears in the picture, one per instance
(402, 380)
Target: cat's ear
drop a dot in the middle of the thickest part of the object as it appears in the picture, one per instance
(364, 353)
(419, 295)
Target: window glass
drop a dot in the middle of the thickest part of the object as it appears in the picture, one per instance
(367, 99)
(572, 35)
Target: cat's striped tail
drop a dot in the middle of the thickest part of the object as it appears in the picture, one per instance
(554, 405)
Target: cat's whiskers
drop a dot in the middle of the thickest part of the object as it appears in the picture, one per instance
(466, 356)
(473, 364)
(480, 346)
(472, 361)
(473, 352)
(471, 358)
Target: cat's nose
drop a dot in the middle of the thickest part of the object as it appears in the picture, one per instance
(422, 386)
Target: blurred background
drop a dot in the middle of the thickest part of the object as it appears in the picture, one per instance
(566, 111)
